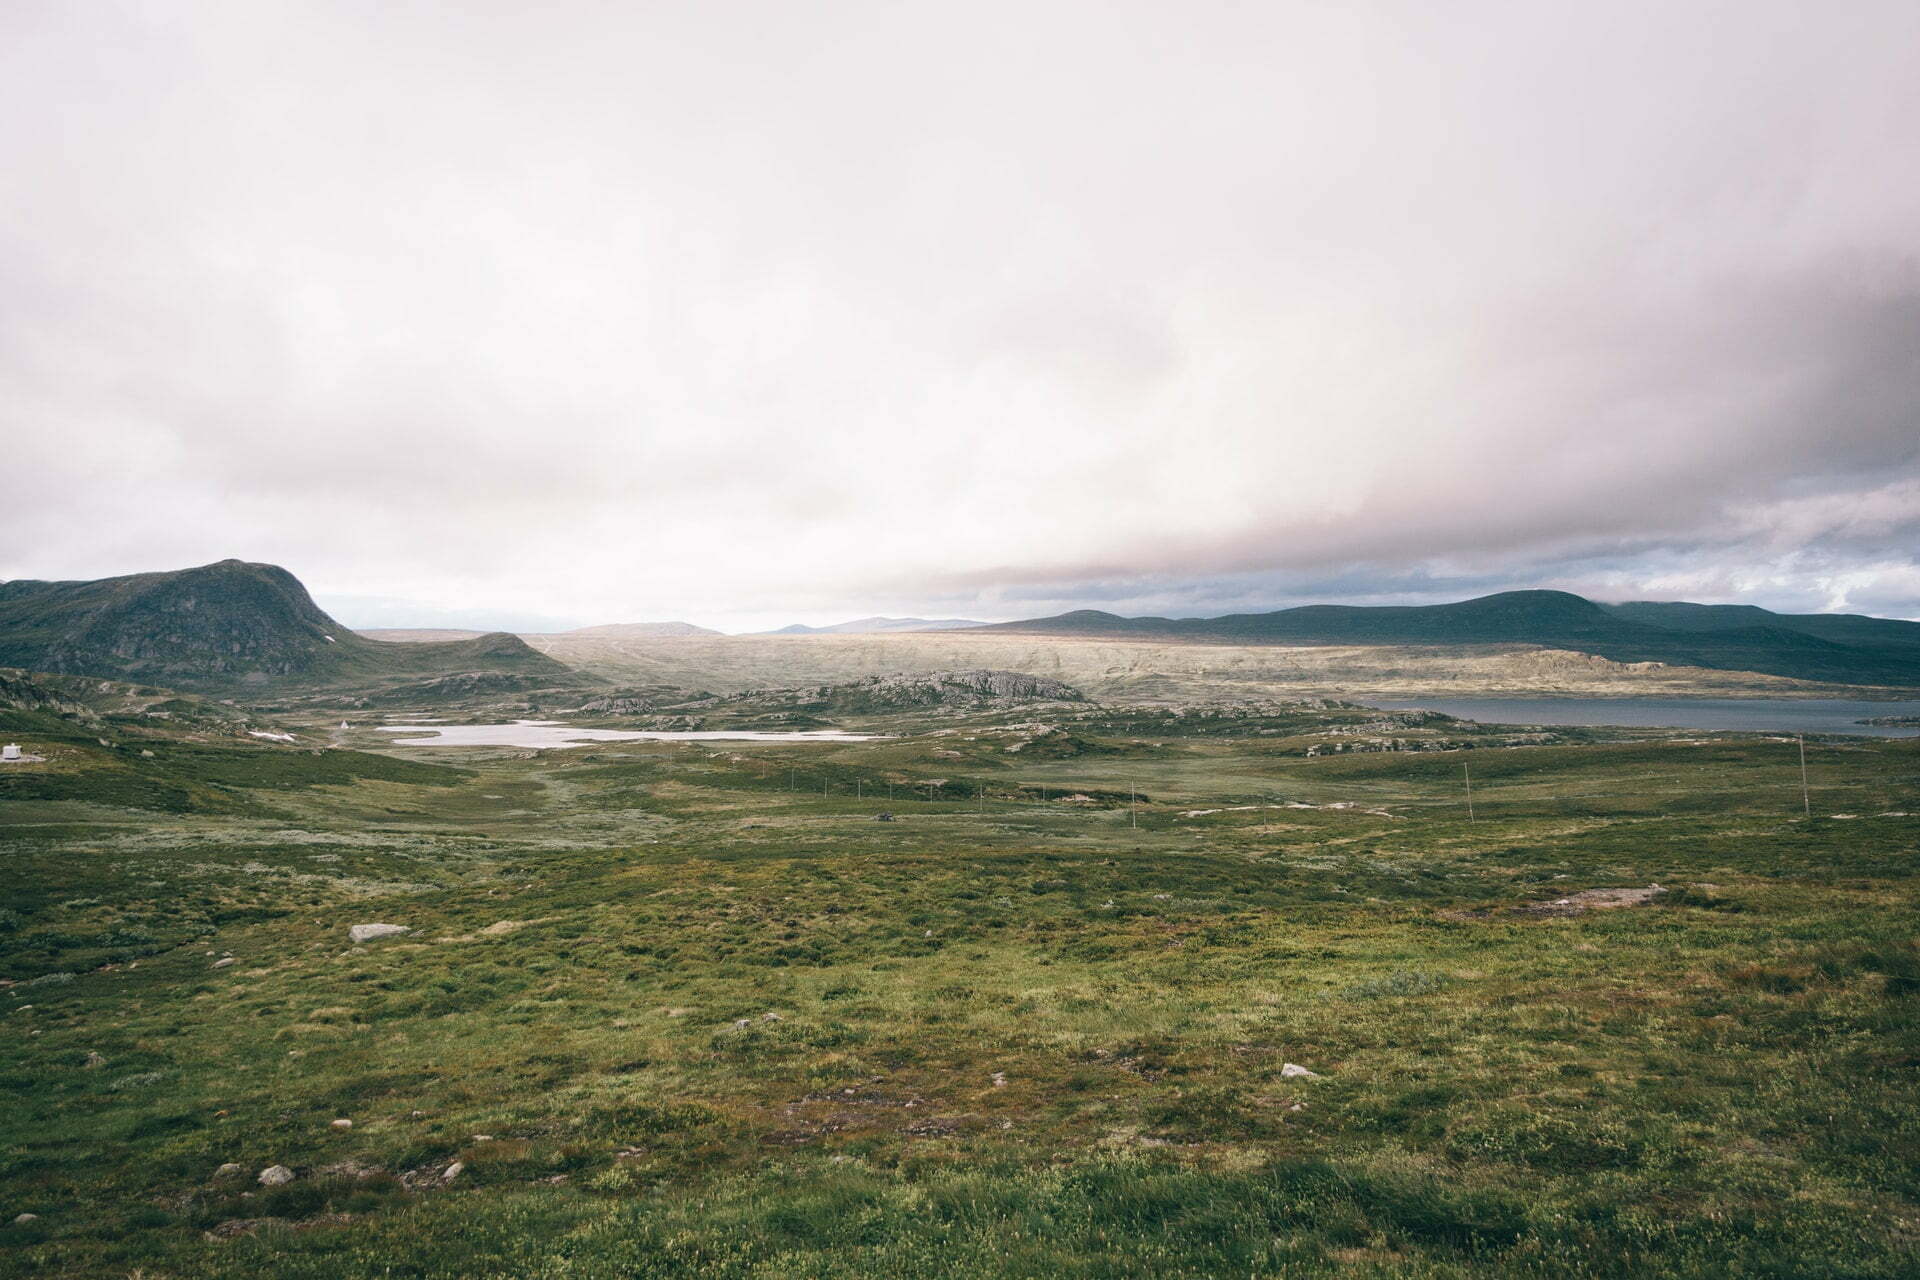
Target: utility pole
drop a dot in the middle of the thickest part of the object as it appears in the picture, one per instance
(1468, 775)
(859, 789)
(1806, 800)
(1133, 814)
(793, 779)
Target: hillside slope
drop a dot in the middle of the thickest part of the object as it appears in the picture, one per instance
(229, 626)
(1834, 648)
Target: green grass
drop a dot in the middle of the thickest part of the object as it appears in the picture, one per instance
(1009, 1036)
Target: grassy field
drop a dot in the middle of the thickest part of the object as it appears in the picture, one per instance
(691, 1010)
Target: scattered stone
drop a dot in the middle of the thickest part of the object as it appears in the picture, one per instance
(483, 1137)
(351, 1169)
(23, 1219)
(1294, 1071)
(223, 962)
(229, 1170)
(454, 1170)
(367, 932)
(276, 1175)
(999, 1079)
(741, 1024)
(771, 1016)
(1592, 900)
(94, 1060)
(341, 1123)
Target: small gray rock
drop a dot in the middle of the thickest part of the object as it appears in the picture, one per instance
(23, 1219)
(229, 1170)
(276, 1175)
(367, 932)
(223, 962)
(1294, 1071)
(341, 1123)
(94, 1060)
(454, 1170)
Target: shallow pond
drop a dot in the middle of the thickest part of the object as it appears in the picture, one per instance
(555, 733)
(1754, 715)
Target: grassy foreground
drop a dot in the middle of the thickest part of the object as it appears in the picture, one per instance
(690, 1010)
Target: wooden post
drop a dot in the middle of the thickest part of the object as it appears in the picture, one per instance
(1467, 774)
(1806, 798)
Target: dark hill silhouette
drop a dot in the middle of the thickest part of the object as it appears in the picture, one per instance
(1845, 649)
(231, 625)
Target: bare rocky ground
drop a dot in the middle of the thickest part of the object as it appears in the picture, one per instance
(1145, 670)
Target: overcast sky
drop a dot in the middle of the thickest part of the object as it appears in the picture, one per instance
(546, 314)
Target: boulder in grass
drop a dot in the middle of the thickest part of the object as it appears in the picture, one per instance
(1294, 1071)
(368, 932)
(276, 1175)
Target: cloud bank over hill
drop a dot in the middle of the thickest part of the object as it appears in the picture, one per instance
(749, 313)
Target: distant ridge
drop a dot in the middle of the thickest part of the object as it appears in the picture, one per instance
(877, 626)
(1838, 648)
(641, 631)
(607, 631)
(226, 627)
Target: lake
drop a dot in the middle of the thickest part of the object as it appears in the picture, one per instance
(1753, 715)
(555, 733)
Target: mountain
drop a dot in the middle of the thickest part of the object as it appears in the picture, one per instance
(1842, 628)
(1845, 649)
(877, 626)
(228, 626)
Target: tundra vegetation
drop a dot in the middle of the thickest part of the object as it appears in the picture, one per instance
(688, 1009)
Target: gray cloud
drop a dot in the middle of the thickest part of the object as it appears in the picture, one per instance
(747, 311)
